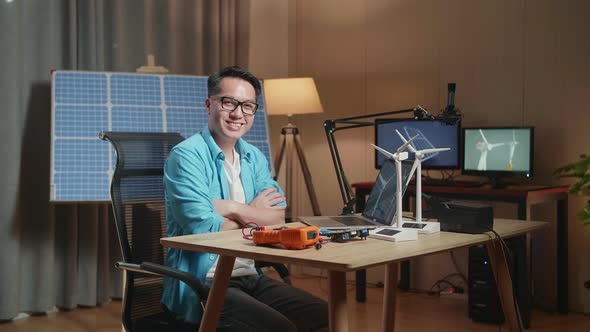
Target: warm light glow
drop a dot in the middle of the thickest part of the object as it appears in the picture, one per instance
(291, 96)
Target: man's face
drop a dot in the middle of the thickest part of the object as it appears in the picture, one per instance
(226, 126)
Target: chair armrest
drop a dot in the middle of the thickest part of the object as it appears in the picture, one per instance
(152, 268)
(280, 268)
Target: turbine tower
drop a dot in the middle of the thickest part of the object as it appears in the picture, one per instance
(398, 156)
(484, 147)
(417, 167)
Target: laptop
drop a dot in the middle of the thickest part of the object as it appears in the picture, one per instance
(380, 209)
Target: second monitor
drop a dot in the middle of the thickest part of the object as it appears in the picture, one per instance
(431, 134)
(498, 152)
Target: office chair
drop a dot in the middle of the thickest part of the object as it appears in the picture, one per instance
(137, 194)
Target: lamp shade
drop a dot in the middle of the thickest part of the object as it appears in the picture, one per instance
(291, 96)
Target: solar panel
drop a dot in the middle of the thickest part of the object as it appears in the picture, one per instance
(86, 103)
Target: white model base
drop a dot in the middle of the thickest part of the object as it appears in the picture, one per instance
(393, 234)
(424, 227)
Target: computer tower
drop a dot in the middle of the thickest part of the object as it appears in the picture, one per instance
(484, 301)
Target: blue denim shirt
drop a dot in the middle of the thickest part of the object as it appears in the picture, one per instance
(193, 177)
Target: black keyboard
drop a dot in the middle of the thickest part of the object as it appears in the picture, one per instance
(451, 183)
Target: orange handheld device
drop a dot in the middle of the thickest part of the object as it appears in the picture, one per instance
(290, 238)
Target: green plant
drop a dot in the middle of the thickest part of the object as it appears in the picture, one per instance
(579, 170)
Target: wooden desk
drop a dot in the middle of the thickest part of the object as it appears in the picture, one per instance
(339, 258)
(525, 196)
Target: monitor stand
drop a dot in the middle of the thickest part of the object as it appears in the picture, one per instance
(497, 183)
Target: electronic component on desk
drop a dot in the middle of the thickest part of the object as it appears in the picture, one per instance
(340, 235)
(290, 238)
(465, 217)
(394, 234)
(424, 227)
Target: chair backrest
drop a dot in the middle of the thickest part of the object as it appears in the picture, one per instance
(137, 193)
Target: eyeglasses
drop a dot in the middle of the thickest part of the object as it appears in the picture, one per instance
(230, 104)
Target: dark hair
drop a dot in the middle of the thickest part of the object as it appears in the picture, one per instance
(214, 79)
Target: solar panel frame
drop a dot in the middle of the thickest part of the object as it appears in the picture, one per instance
(83, 103)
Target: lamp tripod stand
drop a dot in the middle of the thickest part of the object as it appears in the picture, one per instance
(290, 136)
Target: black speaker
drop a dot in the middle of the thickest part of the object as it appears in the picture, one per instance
(465, 217)
(484, 301)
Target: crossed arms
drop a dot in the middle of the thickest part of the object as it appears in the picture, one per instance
(263, 210)
(192, 197)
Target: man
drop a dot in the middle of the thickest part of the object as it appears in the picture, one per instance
(216, 181)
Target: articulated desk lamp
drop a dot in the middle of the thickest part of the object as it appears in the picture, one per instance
(289, 96)
(331, 126)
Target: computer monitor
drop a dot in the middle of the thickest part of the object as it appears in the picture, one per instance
(431, 134)
(498, 152)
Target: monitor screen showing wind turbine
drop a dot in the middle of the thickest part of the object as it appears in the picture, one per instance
(498, 152)
(430, 134)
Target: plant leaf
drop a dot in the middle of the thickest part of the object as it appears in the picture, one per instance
(577, 169)
(584, 215)
(563, 169)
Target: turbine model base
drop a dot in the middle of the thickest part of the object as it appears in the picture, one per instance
(393, 234)
(424, 227)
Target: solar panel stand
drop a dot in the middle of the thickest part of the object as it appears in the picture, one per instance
(151, 67)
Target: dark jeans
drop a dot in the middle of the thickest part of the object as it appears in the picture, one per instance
(259, 303)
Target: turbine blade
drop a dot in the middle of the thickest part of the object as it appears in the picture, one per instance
(383, 151)
(414, 167)
(434, 150)
(483, 136)
(403, 147)
(405, 141)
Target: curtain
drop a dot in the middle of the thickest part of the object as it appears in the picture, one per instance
(62, 254)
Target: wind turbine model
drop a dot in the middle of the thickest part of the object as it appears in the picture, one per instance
(398, 156)
(484, 147)
(512, 146)
(423, 227)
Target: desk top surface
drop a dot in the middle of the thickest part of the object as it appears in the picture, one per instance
(353, 255)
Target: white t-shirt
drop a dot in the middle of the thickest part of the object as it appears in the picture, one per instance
(242, 266)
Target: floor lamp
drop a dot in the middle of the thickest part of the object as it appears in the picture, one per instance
(290, 96)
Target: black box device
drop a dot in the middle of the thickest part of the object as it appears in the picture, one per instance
(465, 217)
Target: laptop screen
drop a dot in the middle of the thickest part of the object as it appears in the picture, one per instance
(381, 204)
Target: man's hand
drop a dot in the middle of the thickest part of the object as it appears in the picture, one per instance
(269, 198)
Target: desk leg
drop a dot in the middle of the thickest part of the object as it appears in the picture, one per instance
(562, 257)
(389, 296)
(361, 285)
(216, 298)
(361, 275)
(504, 283)
(337, 301)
